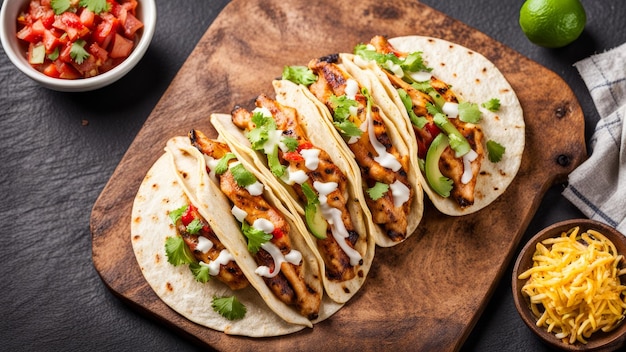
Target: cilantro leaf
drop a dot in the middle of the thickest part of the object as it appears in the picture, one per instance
(255, 237)
(194, 226)
(378, 190)
(200, 271)
(291, 143)
(78, 52)
(469, 112)
(299, 74)
(175, 215)
(492, 104)
(414, 63)
(222, 164)
(96, 6)
(260, 134)
(229, 307)
(177, 251)
(60, 6)
(348, 128)
(242, 176)
(495, 151)
(418, 121)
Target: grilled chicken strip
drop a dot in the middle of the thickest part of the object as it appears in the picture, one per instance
(230, 273)
(450, 166)
(331, 81)
(289, 285)
(336, 261)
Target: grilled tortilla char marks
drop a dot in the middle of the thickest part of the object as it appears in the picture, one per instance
(289, 285)
(337, 263)
(229, 273)
(332, 81)
(451, 167)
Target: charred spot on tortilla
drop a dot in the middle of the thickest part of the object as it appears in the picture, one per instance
(169, 287)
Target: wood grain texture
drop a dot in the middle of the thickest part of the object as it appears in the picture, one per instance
(424, 294)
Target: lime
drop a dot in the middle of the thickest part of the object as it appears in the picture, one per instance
(552, 23)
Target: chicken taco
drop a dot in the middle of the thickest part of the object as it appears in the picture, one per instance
(241, 267)
(380, 156)
(460, 117)
(292, 153)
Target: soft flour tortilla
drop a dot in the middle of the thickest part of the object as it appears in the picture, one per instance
(254, 161)
(473, 78)
(416, 208)
(162, 191)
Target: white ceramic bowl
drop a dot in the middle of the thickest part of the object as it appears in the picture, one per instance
(146, 12)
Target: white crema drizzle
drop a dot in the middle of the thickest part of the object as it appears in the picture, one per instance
(222, 259)
(333, 217)
(467, 166)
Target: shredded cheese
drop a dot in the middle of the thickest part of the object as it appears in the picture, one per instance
(574, 285)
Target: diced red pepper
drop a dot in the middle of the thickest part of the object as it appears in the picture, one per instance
(304, 145)
(87, 17)
(293, 157)
(50, 41)
(189, 215)
(51, 70)
(28, 35)
(278, 233)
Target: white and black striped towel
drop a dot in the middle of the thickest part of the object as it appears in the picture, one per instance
(598, 186)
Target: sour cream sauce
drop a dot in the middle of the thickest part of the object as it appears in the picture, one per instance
(222, 259)
(333, 217)
(293, 257)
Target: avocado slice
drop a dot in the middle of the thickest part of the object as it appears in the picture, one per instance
(313, 213)
(315, 221)
(436, 180)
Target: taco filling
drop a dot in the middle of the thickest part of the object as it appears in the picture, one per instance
(434, 109)
(264, 226)
(320, 185)
(357, 118)
(212, 259)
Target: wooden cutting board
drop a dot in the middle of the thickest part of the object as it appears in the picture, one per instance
(425, 294)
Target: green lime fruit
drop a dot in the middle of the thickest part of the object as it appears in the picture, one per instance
(552, 23)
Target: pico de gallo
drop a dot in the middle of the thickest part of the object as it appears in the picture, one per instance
(73, 39)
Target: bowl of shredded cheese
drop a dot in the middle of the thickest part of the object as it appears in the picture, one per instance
(569, 286)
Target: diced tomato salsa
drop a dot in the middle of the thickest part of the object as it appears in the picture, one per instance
(78, 42)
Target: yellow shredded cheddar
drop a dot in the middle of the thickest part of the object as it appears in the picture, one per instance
(574, 285)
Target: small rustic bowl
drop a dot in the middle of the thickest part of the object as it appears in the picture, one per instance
(599, 341)
(146, 12)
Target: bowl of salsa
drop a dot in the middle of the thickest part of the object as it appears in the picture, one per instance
(76, 45)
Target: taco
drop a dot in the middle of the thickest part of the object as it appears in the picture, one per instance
(292, 152)
(459, 115)
(178, 199)
(382, 160)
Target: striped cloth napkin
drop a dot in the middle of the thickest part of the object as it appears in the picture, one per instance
(598, 186)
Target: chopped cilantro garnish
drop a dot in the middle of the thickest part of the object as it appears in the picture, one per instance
(242, 176)
(260, 134)
(341, 115)
(495, 151)
(255, 237)
(417, 121)
(492, 104)
(200, 271)
(229, 307)
(378, 190)
(194, 226)
(96, 6)
(299, 74)
(222, 164)
(60, 6)
(177, 251)
(469, 112)
(78, 52)
(175, 215)
(291, 143)
(412, 63)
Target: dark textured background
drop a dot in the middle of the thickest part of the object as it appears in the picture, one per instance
(59, 149)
